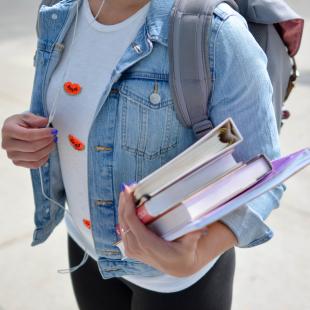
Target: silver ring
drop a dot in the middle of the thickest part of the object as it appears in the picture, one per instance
(125, 231)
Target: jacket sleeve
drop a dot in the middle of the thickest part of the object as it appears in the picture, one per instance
(242, 90)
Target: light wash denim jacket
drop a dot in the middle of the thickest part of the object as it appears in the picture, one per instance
(131, 136)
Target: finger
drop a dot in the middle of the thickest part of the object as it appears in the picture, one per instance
(121, 218)
(131, 246)
(132, 186)
(31, 165)
(31, 134)
(128, 216)
(125, 203)
(25, 146)
(32, 156)
(21, 126)
(123, 228)
(33, 120)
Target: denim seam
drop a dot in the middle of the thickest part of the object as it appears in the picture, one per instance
(129, 95)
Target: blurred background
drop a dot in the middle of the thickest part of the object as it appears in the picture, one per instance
(273, 276)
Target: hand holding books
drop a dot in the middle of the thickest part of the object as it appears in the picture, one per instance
(181, 257)
(204, 183)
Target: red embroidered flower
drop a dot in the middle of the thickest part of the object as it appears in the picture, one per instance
(76, 143)
(87, 223)
(72, 89)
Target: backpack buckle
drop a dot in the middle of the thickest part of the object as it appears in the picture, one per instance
(203, 127)
(292, 79)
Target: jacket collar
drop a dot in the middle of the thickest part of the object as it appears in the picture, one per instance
(156, 25)
(157, 20)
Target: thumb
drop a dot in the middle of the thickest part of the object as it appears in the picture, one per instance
(34, 121)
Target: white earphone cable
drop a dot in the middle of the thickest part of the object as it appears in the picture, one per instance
(64, 78)
(50, 119)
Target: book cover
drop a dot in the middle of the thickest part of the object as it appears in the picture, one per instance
(222, 138)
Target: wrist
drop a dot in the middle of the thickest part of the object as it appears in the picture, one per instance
(219, 239)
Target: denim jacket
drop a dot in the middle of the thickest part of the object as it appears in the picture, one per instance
(131, 136)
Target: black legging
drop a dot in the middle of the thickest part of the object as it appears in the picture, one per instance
(92, 292)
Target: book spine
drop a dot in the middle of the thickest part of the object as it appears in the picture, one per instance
(143, 214)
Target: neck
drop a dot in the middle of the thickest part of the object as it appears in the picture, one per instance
(115, 11)
(125, 4)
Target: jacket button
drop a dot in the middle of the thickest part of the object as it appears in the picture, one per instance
(54, 16)
(137, 47)
(155, 98)
(101, 148)
(102, 202)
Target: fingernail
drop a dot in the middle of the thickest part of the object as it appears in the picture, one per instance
(55, 139)
(123, 187)
(54, 132)
(132, 183)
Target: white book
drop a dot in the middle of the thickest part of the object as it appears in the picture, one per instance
(187, 186)
(222, 138)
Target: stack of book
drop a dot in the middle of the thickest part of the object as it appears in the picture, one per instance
(205, 182)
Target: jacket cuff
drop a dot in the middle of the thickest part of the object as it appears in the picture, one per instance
(248, 227)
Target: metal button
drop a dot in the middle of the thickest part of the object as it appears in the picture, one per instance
(54, 16)
(59, 46)
(102, 148)
(137, 48)
(102, 202)
(155, 98)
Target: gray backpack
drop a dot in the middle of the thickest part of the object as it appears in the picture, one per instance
(274, 25)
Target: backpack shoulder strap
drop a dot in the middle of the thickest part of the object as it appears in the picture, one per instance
(190, 77)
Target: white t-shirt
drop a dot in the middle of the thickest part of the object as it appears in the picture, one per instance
(91, 66)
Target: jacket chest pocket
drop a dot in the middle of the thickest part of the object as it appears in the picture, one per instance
(149, 126)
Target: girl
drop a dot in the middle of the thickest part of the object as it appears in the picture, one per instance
(101, 115)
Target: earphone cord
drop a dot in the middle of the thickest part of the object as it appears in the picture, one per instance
(72, 269)
(50, 119)
(54, 104)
